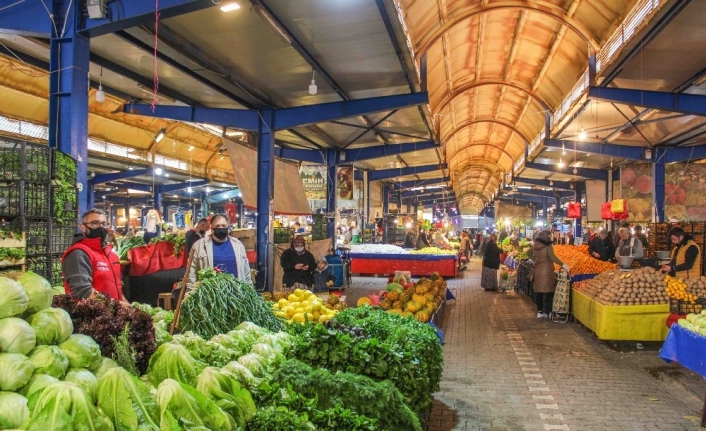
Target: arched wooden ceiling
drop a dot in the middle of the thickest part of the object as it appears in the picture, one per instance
(494, 67)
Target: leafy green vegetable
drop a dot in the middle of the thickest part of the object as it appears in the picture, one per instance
(105, 365)
(280, 418)
(52, 325)
(172, 361)
(228, 394)
(85, 379)
(14, 412)
(37, 383)
(49, 360)
(189, 407)
(242, 374)
(11, 253)
(38, 290)
(127, 401)
(14, 298)
(82, 351)
(65, 406)
(205, 351)
(125, 354)
(253, 362)
(16, 336)
(16, 370)
(125, 244)
(179, 242)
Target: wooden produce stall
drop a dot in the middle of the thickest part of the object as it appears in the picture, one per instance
(417, 264)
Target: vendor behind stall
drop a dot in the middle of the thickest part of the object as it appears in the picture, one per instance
(601, 247)
(629, 245)
(685, 262)
(298, 264)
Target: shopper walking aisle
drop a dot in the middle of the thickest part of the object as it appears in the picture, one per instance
(504, 369)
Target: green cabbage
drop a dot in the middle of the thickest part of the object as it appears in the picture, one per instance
(105, 365)
(127, 401)
(38, 290)
(242, 374)
(52, 325)
(37, 383)
(172, 361)
(272, 357)
(280, 341)
(16, 336)
(253, 362)
(85, 379)
(15, 371)
(14, 298)
(49, 360)
(65, 406)
(190, 408)
(252, 329)
(14, 412)
(82, 351)
(228, 394)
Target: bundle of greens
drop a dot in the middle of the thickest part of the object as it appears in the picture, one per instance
(220, 303)
(104, 319)
(162, 321)
(179, 242)
(369, 402)
(125, 244)
(64, 188)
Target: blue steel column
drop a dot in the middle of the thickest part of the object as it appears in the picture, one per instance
(367, 217)
(331, 195)
(545, 206)
(580, 192)
(659, 176)
(385, 210)
(127, 213)
(241, 212)
(68, 90)
(91, 195)
(265, 196)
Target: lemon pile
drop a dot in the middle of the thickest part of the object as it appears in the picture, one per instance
(676, 288)
(302, 306)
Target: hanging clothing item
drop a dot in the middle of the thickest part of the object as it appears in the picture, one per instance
(152, 219)
(188, 222)
(231, 212)
(179, 220)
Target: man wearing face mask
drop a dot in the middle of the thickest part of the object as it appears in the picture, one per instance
(298, 264)
(90, 266)
(195, 234)
(220, 251)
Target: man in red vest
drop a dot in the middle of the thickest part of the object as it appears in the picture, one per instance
(90, 266)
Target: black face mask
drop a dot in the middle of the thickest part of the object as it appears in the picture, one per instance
(98, 232)
(220, 232)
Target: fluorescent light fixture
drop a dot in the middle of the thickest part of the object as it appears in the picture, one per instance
(100, 94)
(129, 168)
(166, 174)
(191, 148)
(582, 135)
(229, 7)
(208, 190)
(561, 164)
(158, 171)
(160, 135)
(189, 190)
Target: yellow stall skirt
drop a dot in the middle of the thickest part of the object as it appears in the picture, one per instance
(621, 322)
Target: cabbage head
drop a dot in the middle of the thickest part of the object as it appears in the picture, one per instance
(14, 298)
(173, 361)
(105, 365)
(228, 393)
(85, 379)
(127, 401)
(14, 412)
(253, 362)
(242, 374)
(15, 371)
(38, 290)
(49, 360)
(16, 336)
(37, 383)
(52, 325)
(183, 403)
(82, 351)
(65, 406)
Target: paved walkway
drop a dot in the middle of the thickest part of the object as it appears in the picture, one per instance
(506, 370)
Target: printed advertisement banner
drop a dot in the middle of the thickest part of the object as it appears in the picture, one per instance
(512, 211)
(636, 188)
(595, 197)
(314, 180)
(344, 183)
(685, 192)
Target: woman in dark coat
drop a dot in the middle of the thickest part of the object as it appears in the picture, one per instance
(491, 264)
(544, 277)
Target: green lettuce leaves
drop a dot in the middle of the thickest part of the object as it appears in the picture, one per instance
(127, 402)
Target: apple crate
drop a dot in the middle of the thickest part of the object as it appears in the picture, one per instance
(678, 306)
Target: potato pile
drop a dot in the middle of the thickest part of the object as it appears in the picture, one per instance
(644, 286)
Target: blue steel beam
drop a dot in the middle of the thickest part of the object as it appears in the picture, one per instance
(690, 104)
(418, 183)
(420, 193)
(593, 174)
(385, 174)
(543, 193)
(622, 151)
(243, 119)
(361, 154)
(287, 118)
(681, 154)
(222, 196)
(106, 178)
(265, 200)
(25, 18)
(301, 155)
(133, 13)
(132, 186)
(169, 188)
(523, 198)
(544, 183)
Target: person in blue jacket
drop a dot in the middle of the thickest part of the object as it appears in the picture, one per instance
(323, 279)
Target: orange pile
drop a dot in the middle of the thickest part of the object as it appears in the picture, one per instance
(576, 256)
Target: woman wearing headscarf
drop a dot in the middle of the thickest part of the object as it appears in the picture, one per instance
(298, 264)
(544, 277)
(491, 264)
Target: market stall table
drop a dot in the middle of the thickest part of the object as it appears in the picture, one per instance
(689, 350)
(417, 264)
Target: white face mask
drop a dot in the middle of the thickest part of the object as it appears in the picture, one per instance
(299, 249)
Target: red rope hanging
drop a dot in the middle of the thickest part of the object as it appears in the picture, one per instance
(155, 99)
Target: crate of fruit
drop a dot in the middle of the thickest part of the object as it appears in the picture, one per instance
(679, 306)
(281, 235)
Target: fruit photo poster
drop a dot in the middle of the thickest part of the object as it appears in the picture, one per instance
(344, 183)
(685, 192)
(636, 188)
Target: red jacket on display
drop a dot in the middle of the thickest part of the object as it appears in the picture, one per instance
(105, 265)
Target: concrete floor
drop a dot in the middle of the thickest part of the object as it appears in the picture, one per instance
(506, 370)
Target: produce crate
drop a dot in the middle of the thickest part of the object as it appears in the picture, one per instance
(281, 235)
(9, 199)
(677, 306)
(319, 219)
(62, 237)
(21, 160)
(37, 235)
(36, 163)
(63, 167)
(46, 265)
(36, 199)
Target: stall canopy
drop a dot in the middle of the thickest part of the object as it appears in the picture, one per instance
(290, 197)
